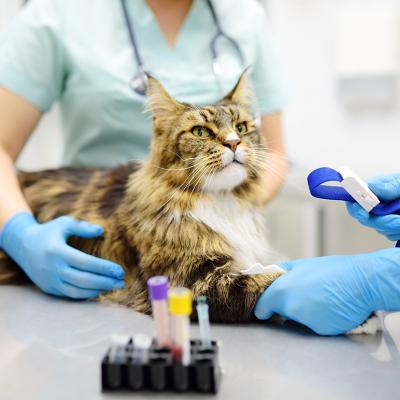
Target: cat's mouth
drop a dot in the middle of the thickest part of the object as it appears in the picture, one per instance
(234, 162)
(229, 177)
(234, 165)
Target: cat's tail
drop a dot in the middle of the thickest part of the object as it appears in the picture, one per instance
(10, 273)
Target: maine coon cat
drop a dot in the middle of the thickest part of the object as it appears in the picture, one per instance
(190, 211)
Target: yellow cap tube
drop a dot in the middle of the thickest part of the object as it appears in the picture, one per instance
(180, 301)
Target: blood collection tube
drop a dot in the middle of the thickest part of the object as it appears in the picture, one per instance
(158, 294)
(141, 346)
(180, 308)
(204, 322)
(118, 349)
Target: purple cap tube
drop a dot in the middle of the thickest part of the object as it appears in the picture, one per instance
(158, 295)
(158, 288)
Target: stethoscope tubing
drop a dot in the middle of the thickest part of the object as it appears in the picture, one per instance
(213, 45)
(221, 34)
(132, 37)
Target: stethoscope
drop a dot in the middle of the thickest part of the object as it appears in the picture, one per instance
(139, 81)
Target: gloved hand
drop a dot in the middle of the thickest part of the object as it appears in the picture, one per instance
(58, 269)
(387, 188)
(332, 295)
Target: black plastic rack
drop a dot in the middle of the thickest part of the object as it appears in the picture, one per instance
(161, 373)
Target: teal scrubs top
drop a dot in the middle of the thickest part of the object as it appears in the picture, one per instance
(79, 54)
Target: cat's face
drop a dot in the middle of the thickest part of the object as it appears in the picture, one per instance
(210, 148)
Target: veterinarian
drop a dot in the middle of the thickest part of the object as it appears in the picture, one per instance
(332, 295)
(89, 57)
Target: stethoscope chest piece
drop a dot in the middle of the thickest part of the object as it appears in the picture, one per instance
(139, 83)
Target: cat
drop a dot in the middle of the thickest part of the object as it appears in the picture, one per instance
(190, 211)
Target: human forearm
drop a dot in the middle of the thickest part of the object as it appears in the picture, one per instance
(14, 133)
(276, 164)
(11, 197)
(275, 175)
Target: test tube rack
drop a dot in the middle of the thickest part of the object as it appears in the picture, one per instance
(161, 373)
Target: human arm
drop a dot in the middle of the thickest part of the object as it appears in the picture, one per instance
(41, 249)
(14, 132)
(271, 91)
(332, 295)
(387, 188)
(276, 162)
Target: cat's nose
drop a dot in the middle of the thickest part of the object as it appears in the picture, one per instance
(232, 144)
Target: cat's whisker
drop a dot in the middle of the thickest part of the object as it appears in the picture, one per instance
(173, 152)
(136, 160)
(175, 191)
(206, 172)
(200, 160)
(197, 182)
(261, 146)
(173, 194)
(210, 176)
(166, 149)
(187, 181)
(162, 168)
(191, 158)
(271, 168)
(201, 173)
(180, 169)
(270, 154)
(194, 178)
(265, 164)
(269, 158)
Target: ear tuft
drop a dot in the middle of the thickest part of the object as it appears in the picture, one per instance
(242, 93)
(159, 102)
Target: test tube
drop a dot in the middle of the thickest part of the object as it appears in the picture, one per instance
(158, 294)
(141, 347)
(180, 308)
(118, 349)
(204, 322)
(112, 369)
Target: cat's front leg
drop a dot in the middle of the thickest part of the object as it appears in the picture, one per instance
(232, 297)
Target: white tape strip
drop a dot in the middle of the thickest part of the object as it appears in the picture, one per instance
(258, 268)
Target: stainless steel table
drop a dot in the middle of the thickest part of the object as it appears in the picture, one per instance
(51, 349)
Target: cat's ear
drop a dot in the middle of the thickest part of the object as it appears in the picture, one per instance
(242, 93)
(161, 104)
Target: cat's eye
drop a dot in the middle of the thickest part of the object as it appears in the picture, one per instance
(241, 128)
(201, 131)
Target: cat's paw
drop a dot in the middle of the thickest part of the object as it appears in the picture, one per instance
(370, 327)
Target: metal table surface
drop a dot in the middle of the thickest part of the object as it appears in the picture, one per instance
(51, 349)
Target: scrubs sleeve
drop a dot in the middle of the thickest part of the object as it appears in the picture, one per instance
(270, 86)
(32, 60)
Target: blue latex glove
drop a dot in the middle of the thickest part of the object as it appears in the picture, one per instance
(387, 188)
(332, 295)
(57, 268)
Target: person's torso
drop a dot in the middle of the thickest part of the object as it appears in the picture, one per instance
(103, 118)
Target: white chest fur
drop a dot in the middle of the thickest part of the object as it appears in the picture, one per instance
(240, 225)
